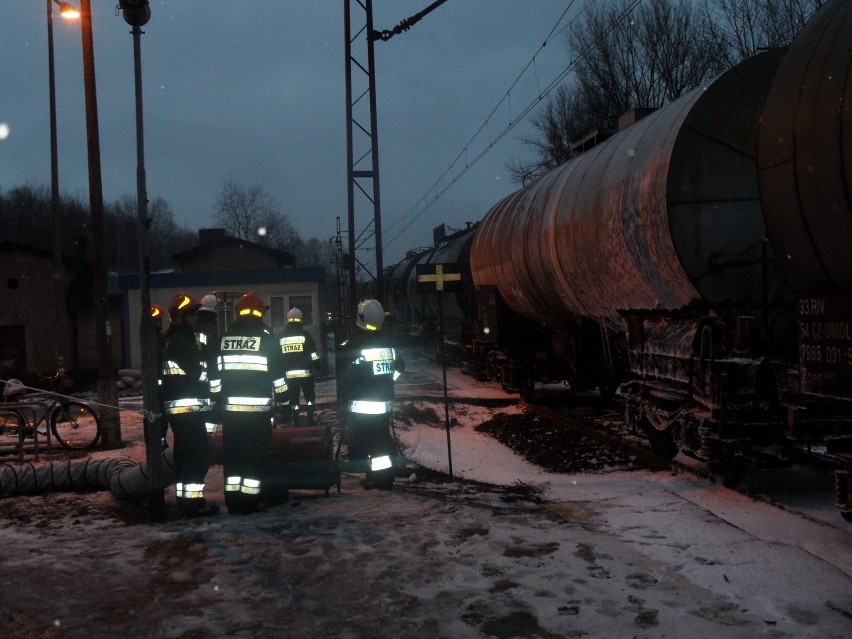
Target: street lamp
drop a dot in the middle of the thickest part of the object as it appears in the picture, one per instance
(137, 13)
(70, 12)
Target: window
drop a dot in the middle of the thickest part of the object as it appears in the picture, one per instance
(278, 310)
(305, 304)
(277, 314)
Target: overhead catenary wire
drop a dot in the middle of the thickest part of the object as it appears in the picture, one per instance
(554, 31)
(427, 200)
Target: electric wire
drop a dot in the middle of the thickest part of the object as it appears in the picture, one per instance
(422, 205)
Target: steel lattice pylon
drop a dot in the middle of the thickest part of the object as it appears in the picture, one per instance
(362, 153)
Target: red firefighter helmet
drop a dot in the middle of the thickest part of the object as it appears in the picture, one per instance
(249, 304)
(157, 313)
(179, 306)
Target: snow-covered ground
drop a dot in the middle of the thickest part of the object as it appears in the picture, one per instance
(624, 554)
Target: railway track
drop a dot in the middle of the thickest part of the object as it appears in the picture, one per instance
(802, 490)
(607, 430)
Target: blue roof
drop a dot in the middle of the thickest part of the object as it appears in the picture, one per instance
(226, 278)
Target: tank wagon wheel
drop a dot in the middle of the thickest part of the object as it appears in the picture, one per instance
(661, 442)
(526, 386)
(730, 470)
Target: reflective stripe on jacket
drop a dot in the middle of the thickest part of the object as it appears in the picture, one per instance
(188, 405)
(246, 404)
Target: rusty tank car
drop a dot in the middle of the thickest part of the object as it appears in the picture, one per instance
(698, 264)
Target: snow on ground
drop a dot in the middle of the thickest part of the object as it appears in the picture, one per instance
(624, 554)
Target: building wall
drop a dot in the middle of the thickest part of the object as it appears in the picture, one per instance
(34, 333)
(287, 283)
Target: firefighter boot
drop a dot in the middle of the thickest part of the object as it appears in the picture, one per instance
(311, 420)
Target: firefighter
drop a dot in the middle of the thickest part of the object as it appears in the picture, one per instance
(185, 396)
(300, 360)
(249, 379)
(371, 367)
(208, 318)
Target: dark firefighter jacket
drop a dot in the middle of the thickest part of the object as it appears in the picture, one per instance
(183, 378)
(372, 365)
(299, 350)
(249, 368)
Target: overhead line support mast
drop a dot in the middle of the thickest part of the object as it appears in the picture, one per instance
(363, 170)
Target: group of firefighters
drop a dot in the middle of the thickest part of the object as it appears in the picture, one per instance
(245, 377)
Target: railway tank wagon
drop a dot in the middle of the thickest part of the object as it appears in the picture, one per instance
(698, 263)
(416, 314)
(805, 169)
(657, 236)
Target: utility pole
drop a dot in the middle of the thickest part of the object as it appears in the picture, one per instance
(107, 392)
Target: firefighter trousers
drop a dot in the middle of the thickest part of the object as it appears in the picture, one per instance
(193, 459)
(246, 441)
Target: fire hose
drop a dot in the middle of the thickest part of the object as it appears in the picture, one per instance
(126, 479)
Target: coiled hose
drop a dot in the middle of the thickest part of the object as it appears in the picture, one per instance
(126, 479)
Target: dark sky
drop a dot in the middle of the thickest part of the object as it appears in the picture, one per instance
(254, 91)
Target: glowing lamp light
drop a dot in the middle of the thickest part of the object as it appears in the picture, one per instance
(68, 10)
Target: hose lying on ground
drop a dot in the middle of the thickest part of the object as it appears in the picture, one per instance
(125, 478)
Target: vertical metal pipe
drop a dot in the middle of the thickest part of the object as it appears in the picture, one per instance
(147, 337)
(56, 275)
(444, 374)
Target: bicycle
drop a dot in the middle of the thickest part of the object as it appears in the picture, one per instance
(74, 423)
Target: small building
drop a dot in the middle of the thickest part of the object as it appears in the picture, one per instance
(229, 267)
(48, 318)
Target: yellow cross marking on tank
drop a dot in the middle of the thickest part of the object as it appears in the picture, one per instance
(440, 277)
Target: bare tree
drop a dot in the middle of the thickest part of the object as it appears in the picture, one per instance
(121, 228)
(641, 56)
(121, 232)
(561, 120)
(313, 252)
(747, 26)
(252, 214)
(627, 55)
(165, 238)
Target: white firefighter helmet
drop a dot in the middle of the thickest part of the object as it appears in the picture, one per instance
(208, 303)
(371, 315)
(294, 314)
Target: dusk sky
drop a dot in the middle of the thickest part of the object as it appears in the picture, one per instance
(254, 92)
